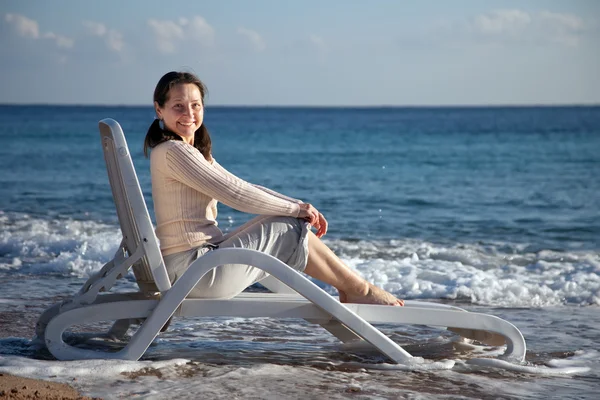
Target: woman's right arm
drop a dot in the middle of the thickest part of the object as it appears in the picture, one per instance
(215, 164)
(307, 211)
(187, 165)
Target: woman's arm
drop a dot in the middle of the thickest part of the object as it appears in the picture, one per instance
(264, 189)
(277, 194)
(187, 165)
(313, 215)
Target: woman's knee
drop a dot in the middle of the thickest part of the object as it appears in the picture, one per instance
(227, 281)
(286, 223)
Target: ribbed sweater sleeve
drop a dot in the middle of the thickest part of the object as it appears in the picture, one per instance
(277, 194)
(189, 166)
(264, 189)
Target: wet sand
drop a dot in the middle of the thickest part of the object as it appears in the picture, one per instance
(17, 388)
(21, 323)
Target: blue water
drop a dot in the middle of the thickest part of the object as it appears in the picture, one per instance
(519, 175)
(495, 209)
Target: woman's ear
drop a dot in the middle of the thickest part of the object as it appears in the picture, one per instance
(157, 110)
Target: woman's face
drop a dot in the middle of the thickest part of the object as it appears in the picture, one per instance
(183, 111)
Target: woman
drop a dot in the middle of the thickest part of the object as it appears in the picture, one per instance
(187, 182)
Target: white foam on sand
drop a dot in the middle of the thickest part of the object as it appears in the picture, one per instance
(579, 359)
(93, 377)
(154, 379)
(225, 358)
(77, 369)
(581, 363)
(181, 378)
(529, 369)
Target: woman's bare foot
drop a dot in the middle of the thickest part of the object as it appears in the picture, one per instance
(375, 295)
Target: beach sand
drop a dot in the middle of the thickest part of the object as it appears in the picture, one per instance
(17, 388)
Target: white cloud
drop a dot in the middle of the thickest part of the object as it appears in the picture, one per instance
(258, 43)
(563, 21)
(114, 41)
(95, 28)
(166, 33)
(169, 33)
(201, 30)
(25, 27)
(29, 28)
(502, 22)
(61, 41)
(563, 28)
(112, 38)
(544, 26)
(318, 42)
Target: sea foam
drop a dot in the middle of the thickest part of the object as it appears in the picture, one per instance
(492, 274)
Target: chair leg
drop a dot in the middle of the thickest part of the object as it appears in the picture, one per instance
(487, 337)
(340, 331)
(119, 329)
(166, 325)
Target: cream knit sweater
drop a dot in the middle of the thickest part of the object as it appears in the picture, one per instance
(186, 189)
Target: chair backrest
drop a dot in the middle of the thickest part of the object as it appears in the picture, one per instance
(136, 225)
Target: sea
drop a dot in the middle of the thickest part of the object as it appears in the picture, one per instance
(492, 209)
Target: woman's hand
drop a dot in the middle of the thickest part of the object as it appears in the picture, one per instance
(314, 217)
(308, 213)
(322, 227)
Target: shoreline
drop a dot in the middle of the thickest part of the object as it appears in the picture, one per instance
(19, 388)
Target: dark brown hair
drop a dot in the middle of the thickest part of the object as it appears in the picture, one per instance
(156, 135)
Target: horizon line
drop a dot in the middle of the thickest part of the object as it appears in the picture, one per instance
(493, 105)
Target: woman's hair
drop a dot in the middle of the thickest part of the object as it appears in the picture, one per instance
(156, 135)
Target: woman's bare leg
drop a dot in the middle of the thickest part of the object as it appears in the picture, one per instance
(325, 266)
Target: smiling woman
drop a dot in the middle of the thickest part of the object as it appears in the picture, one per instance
(179, 106)
(187, 183)
(183, 112)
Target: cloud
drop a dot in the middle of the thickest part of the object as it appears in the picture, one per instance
(544, 26)
(200, 30)
(95, 28)
(29, 28)
(112, 38)
(114, 41)
(563, 21)
(318, 42)
(509, 22)
(166, 32)
(25, 27)
(61, 41)
(258, 43)
(169, 33)
(565, 28)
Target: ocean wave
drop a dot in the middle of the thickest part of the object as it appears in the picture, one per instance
(492, 274)
(34, 245)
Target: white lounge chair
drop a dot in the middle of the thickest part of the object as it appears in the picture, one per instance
(158, 300)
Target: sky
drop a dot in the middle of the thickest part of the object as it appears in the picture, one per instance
(309, 52)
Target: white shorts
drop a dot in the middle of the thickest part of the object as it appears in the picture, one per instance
(285, 238)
